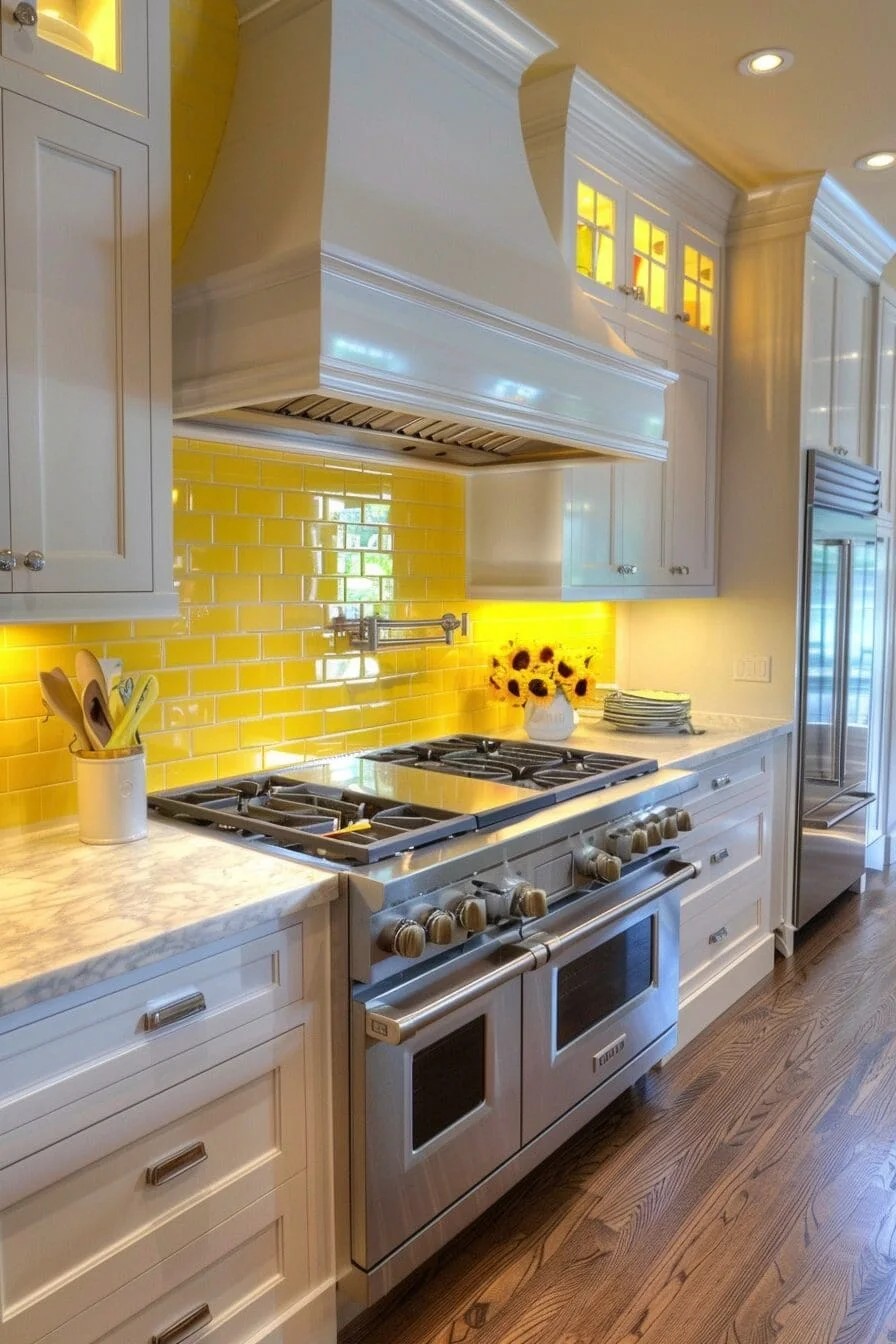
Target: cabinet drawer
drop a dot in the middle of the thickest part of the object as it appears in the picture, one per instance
(238, 1279)
(729, 777)
(83, 1218)
(730, 846)
(721, 931)
(79, 1050)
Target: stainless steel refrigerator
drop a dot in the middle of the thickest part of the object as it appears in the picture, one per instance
(841, 591)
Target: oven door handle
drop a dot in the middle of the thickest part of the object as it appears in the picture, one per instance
(681, 872)
(393, 1025)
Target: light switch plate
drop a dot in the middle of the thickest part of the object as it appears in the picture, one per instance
(753, 667)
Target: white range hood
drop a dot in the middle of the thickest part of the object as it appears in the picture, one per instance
(372, 263)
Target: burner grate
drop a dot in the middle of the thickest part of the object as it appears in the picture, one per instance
(321, 821)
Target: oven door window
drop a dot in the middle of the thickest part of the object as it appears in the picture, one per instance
(448, 1081)
(604, 980)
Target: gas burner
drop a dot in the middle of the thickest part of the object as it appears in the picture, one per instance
(345, 825)
(562, 772)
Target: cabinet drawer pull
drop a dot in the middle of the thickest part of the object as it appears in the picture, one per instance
(626, 569)
(177, 1164)
(719, 936)
(176, 1011)
(721, 781)
(719, 856)
(679, 569)
(185, 1327)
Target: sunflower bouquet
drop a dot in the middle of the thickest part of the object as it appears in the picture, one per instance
(521, 672)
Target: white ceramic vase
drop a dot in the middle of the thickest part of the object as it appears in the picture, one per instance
(550, 720)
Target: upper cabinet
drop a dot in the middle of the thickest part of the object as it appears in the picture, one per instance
(884, 454)
(98, 47)
(641, 224)
(85, 418)
(837, 356)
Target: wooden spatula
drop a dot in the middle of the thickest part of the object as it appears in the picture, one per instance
(96, 715)
(62, 701)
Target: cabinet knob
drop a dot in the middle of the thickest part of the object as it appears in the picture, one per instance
(25, 15)
(718, 937)
(626, 569)
(7, 561)
(682, 317)
(35, 561)
(627, 289)
(679, 569)
(840, 451)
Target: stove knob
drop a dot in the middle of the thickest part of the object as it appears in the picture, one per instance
(608, 867)
(620, 844)
(439, 926)
(640, 842)
(471, 914)
(530, 902)
(685, 821)
(654, 834)
(407, 938)
(670, 828)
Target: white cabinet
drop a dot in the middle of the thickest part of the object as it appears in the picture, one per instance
(196, 1180)
(727, 914)
(885, 402)
(613, 530)
(97, 47)
(837, 357)
(641, 223)
(77, 306)
(85, 452)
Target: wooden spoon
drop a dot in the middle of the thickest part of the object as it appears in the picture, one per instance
(87, 669)
(62, 701)
(96, 715)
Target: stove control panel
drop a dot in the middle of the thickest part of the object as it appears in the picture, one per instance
(514, 891)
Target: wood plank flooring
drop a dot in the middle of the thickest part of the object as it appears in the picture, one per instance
(743, 1194)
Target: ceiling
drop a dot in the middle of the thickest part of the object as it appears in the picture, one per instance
(677, 65)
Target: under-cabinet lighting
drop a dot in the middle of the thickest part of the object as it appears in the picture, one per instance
(876, 160)
(768, 61)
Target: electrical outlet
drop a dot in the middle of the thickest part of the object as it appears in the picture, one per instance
(753, 667)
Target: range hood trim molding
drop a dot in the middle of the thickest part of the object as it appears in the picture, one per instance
(287, 379)
(489, 34)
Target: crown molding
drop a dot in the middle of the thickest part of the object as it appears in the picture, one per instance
(815, 205)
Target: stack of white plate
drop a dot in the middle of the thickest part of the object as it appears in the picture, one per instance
(648, 711)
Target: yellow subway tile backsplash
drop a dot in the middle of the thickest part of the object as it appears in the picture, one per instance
(272, 544)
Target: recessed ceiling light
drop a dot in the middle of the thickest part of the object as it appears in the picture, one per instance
(768, 61)
(880, 158)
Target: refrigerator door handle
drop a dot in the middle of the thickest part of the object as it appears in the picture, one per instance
(845, 619)
(865, 800)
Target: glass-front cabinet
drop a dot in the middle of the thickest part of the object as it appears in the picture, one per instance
(95, 46)
(697, 303)
(637, 257)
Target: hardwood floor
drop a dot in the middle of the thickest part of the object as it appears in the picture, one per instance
(744, 1193)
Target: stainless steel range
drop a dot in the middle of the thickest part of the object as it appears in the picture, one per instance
(513, 952)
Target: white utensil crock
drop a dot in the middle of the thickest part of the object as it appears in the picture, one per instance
(111, 796)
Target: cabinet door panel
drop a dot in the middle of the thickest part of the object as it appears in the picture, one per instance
(698, 286)
(818, 355)
(591, 522)
(885, 429)
(642, 490)
(852, 365)
(691, 472)
(596, 242)
(98, 46)
(78, 316)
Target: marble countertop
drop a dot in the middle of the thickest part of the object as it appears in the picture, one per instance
(717, 735)
(73, 914)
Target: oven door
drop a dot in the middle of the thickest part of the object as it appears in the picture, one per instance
(435, 1093)
(609, 990)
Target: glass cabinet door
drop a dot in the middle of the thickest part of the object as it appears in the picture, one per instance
(697, 304)
(649, 281)
(598, 210)
(97, 46)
